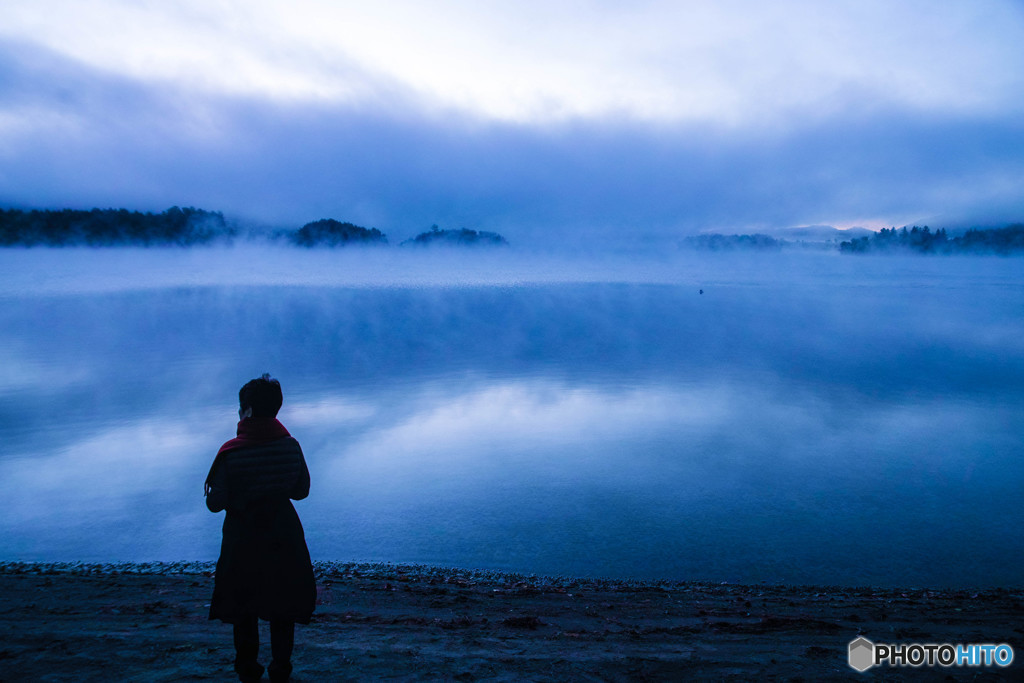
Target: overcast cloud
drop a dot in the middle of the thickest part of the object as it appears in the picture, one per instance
(583, 117)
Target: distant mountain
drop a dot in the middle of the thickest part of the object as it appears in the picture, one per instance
(331, 233)
(463, 237)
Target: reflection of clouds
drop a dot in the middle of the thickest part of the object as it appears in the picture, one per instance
(110, 470)
(325, 412)
(546, 413)
(19, 372)
(765, 480)
(738, 434)
(131, 490)
(539, 424)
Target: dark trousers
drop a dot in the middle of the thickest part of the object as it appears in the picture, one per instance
(247, 647)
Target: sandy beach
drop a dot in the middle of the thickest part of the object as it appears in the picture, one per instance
(148, 622)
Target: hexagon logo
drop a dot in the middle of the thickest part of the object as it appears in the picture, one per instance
(862, 654)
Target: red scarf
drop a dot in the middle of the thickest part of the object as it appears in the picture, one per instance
(251, 431)
(255, 430)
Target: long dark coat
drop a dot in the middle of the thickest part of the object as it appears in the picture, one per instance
(264, 568)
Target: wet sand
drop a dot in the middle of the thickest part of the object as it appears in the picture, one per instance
(148, 622)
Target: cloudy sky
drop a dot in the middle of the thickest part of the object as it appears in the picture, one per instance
(579, 117)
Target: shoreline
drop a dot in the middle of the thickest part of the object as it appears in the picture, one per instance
(328, 568)
(149, 622)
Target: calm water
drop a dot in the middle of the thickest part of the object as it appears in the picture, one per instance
(809, 418)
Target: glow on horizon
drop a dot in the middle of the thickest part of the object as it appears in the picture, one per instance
(731, 63)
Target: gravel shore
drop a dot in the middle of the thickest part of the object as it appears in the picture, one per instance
(148, 622)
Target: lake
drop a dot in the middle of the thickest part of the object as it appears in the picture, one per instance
(808, 418)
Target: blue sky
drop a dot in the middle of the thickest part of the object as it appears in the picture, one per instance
(575, 118)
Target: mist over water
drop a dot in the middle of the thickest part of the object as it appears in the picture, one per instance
(809, 418)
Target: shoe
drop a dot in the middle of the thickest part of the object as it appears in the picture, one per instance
(280, 673)
(251, 673)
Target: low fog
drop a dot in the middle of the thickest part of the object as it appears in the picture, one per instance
(798, 417)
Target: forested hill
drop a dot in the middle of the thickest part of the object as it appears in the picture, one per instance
(922, 240)
(331, 233)
(463, 237)
(108, 227)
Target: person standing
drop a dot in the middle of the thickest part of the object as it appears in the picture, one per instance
(264, 570)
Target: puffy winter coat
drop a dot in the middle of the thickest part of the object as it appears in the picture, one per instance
(264, 568)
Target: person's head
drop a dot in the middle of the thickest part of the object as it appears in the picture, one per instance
(260, 397)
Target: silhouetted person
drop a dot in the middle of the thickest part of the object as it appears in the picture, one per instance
(264, 571)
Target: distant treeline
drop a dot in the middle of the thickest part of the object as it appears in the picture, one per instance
(108, 227)
(717, 242)
(1006, 240)
(329, 232)
(922, 240)
(188, 226)
(176, 226)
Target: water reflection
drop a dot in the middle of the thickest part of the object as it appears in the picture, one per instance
(713, 482)
(797, 432)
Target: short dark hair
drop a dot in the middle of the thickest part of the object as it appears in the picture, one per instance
(263, 395)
